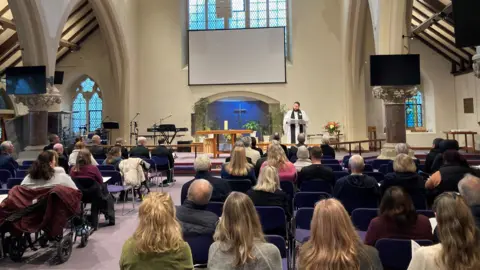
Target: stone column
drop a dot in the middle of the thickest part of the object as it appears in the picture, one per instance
(394, 98)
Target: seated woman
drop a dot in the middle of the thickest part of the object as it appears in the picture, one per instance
(278, 159)
(452, 171)
(72, 159)
(267, 192)
(84, 169)
(430, 158)
(114, 156)
(45, 173)
(334, 243)
(459, 247)
(327, 150)
(157, 242)
(404, 175)
(238, 167)
(303, 158)
(254, 146)
(239, 240)
(397, 219)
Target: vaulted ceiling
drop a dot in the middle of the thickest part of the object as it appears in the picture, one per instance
(80, 25)
(433, 25)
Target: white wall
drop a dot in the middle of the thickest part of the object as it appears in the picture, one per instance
(467, 86)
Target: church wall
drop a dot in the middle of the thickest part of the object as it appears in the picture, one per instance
(467, 86)
(314, 75)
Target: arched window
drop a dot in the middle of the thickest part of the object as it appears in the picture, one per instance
(414, 111)
(87, 107)
(202, 15)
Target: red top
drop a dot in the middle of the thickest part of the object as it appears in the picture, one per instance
(87, 171)
(384, 227)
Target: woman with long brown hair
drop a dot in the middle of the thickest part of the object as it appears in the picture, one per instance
(239, 240)
(72, 158)
(238, 167)
(114, 156)
(157, 242)
(459, 247)
(334, 244)
(84, 169)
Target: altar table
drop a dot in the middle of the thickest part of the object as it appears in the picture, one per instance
(216, 137)
(466, 133)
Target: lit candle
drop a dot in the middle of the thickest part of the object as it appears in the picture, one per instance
(225, 125)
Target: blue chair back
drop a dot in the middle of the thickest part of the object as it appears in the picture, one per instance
(308, 199)
(21, 174)
(272, 217)
(368, 168)
(353, 197)
(100, 156)
(161, 161)
(427, 213)
(328, 157)
(240, 185)
(396, 254)
(330, 161)
(27, 162)
(376, 163)
(116, 177)
(345, 160)
(335, 167)
(24, 167)
(303, 218)
(317, 185)
(279, 242)
(4, 176)
(150, 162)
(288, 188)
(419, 201)
(199, 246)
(361, 217)
(377, 175)
(341, 174)
(100, 160)
(11, 182)
(106, 167)
(383, 169)
(215, 207)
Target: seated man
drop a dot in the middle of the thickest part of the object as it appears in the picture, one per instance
(469, 188)
(327, 150)
(124, 150)
(53, 139)
(192, 214)
(6, 160)
(254, 155)
(140, 150)
(97, 150)
(62, 159)
(357, 190)
(162, 151)
(221, 188)
(316, 170)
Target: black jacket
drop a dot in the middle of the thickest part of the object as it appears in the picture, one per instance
(8, 163)
(357, 191)
(316, 171)
(451, 175)
(162, 151)
(327, 150)
(277, 198)
(411, 182)
(195, 219)
(97, 151)
(221, 188)
(140, 151)
(443, 146)
(476, 214)
(48, 147)
(63, 162)
(430, 158)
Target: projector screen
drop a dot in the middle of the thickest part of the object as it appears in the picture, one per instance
(237, 56)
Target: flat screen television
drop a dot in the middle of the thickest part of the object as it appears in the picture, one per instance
(26, 80)
(467, 22)
(394, 70)
(58, 78)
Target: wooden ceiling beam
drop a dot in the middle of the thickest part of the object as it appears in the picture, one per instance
(437, 50)
(80, 31)
(78, 9)
(4, 10)
(432, 9)
(80, 41)
(73, 25)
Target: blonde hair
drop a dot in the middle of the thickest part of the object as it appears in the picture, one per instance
(268, 180)
(158, 230)
(276, 156)
(334, 244)
(239, 228)
(238, 164)
(404, 163)
(459, 237)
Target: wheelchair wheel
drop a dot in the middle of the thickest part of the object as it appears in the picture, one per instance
(64, 248)
(16, 248)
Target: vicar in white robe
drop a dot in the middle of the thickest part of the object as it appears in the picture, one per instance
(291, 125)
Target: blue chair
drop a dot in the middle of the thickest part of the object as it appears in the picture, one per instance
(27, 162)
(11, 182)
(215, 207)
(288, 188)
(4, 191)
(383, 169)
(317, 185)
(358, 198)
(303, 218)
(273, 220)
(24, 167)
(99, 157)
(280, 243)
(330, 161)
(335, 167)
(199, 246)
(376, 163)
(427, 213)
(396, 254)
(106, 167)
(100, 161)
(361, 217)
(345, 160)
(162, 165)
(240, 185)
(368, 168)
(21, 174)
(115, 186)
(341, 174)
(377, 175)
(4, 176)
(308, 199)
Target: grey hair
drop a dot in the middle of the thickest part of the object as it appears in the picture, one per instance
(402, 148)
(302, 152)
(119, 140)
(356, 163)
(301, 138)
(239, 143)
(142, 139)
(57, 146)
(247, 141)
(200, 192)
(96, 138)
(325, 141)
(202, 163)
(5, 146)
(469, 188)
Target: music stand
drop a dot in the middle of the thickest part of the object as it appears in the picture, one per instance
(110, 126)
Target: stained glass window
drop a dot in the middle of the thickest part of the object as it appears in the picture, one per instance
(414, 111)
(245, 14)
(87, 107)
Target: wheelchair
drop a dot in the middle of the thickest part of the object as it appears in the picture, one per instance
(15, 243)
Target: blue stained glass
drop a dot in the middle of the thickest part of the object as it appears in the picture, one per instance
(213, 21)
(79, 113)
(87, 85)
(414, 111)
(95, 106)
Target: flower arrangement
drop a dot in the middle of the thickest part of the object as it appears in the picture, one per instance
(332, 127)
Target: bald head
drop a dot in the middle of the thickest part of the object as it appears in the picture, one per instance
(356, 164)
(96, 139)
(469, 188)
(58, 148)
(200, 192)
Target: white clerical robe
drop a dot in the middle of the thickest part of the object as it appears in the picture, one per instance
(286, 125)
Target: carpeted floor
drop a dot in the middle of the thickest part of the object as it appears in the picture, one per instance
(104, 247)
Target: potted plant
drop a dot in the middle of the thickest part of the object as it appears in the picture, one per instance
(275, 121)
(252, 125)
(200, 110)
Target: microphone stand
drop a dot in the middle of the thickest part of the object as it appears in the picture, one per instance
(133, 128)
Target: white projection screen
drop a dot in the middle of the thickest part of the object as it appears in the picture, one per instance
(237, 56)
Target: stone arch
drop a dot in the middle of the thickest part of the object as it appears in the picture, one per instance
(247, 94)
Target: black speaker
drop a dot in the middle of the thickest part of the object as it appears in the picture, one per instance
(467, 22)
(58, 78)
